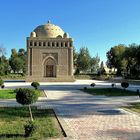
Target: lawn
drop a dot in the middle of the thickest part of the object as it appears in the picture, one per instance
(110, 92)
(134, 107)
(12, 121)
(7, 94)
(10, 94)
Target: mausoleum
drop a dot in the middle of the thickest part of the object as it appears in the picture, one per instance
(49, 54)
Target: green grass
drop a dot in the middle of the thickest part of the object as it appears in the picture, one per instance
(12, 121)
(83, 76)
(7, 94)
(10, 94)
(134, 107)
(110, 92)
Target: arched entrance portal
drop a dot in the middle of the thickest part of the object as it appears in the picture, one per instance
(50, 68)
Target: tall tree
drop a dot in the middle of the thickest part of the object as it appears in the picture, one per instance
(130, 56)
(22, 54)
(18, 60)
(95, 63)
(4, 63)
(83, 59)
(116, 58)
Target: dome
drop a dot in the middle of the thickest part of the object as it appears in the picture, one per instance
(33, 34)
(49, 30)
(66, 35)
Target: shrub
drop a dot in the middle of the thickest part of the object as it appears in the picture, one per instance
(85, 88)
(92, 84)
(2, 86)
(29, 128)
(1, 82)
(16, 90)
(26, 96)
(125, 85)
(113, 85)
(35, 85)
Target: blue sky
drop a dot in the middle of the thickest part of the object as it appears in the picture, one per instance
(96, 24)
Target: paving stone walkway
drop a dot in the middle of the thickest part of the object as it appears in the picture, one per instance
(87, 117)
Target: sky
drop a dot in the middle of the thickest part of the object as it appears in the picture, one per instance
(95, 24)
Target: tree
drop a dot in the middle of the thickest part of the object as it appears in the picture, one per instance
(75, 56)
(1, 82)
(26, 96)
(95, 63)
(22, 54)
(4, 66)
(83, 59)
(130, 56)
(35, 85)
(116, 58)
(18, 60)
(101, 69)
(4, 63)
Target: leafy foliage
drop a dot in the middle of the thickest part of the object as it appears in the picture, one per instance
(125, 85)
(84, 59)
(26, 96)
(93, 84)
(18, 60)
(113, 85)
(30, 127)
(125, 59)
(35, 85)
(1, 82)
(116, 58)
(95, 63)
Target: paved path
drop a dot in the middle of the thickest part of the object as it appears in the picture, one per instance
(87, 117)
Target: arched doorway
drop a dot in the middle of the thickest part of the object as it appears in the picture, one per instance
(49, 68)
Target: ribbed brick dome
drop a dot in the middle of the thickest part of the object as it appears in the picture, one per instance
(49, 30)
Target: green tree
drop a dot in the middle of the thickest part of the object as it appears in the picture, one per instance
(22, 54)
(75, 56)
(130, 56)
(116, 58)
(4, 63)
(95, 63)
(83, 59)
(18, 60)
(26, 96)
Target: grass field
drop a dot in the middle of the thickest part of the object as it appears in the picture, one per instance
(12, 121)
(110, 92)
(7, 94)
(10, 94)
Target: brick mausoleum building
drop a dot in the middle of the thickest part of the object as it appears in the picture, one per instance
(49, 54)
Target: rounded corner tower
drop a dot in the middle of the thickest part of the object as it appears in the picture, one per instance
(49, 55)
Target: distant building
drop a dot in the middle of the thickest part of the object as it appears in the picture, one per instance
(50, 54)
(107, 70)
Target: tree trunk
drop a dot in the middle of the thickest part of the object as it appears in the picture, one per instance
(31, 113)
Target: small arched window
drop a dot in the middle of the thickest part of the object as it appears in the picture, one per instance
(52, 44)
(57, 44)
(44, 43)
(35, 44)
(49, 44)
(61, 44)
(31, 43)
(66, 44)
(39, 43)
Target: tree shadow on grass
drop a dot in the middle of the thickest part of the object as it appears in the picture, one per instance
(12, 135)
